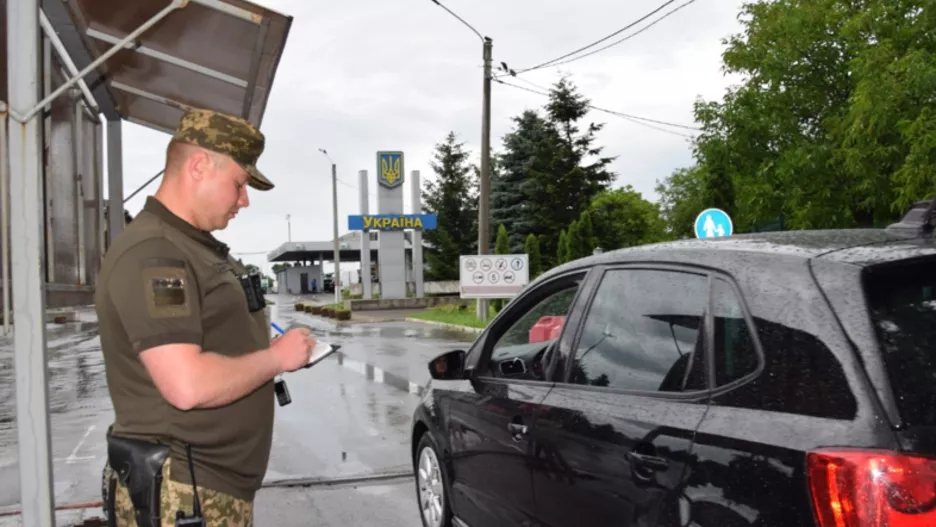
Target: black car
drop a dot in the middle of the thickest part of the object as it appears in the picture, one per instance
(768, 380)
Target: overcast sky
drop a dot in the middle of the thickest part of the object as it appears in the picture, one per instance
(368, 75)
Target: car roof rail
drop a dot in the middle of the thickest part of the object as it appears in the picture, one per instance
(919, 219)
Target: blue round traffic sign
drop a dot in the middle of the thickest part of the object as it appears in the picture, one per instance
(713, 223)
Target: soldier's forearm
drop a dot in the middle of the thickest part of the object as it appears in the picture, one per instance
(223, 380)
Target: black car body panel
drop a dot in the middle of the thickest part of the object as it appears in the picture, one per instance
(785, 361)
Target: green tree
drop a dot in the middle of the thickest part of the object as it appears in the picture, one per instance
(623, 218)
(833, 125)
(562, 248)
(527, 155)
(576, 170)
(574, 241)
(532, 249)
(440, 264)
(453, 198)
(682, 198)
(587, 232)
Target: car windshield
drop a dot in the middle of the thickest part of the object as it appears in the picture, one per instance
(903, 309)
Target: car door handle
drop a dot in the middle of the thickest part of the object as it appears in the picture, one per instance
(517, 430)
(648, 462)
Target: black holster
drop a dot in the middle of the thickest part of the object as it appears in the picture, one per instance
(138, 466)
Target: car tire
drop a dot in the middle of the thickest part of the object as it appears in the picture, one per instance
(431, 484)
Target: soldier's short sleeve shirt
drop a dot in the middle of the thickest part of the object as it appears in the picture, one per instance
(155, 295)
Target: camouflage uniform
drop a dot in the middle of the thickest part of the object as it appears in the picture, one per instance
(163, 281)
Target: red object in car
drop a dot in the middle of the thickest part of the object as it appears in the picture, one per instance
(546, 328)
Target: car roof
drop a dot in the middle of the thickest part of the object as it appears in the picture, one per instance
(858, 247)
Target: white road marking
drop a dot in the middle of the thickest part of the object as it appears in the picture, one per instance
(73, 457)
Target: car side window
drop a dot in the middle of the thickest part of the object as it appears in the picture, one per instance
(644, 331)
(521, 350)
(733, 350)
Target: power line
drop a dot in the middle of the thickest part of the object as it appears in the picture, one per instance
(628, 37)
(619, 31)
(633, 118)
(621, 114)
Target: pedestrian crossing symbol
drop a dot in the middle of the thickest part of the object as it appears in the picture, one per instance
(713, 223)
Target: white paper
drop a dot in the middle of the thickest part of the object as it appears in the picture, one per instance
(321, 350)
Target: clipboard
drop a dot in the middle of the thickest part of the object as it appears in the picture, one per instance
(321, 351)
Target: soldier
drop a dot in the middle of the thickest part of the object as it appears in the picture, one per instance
(187, 350)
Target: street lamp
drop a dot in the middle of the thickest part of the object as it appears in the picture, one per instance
(484, 196)
(336, 283)
(288, 229)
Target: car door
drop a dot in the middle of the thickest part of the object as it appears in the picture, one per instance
(614, 438)
(488, 425)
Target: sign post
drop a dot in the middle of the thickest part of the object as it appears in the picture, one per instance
(492, 276)
(713, 223)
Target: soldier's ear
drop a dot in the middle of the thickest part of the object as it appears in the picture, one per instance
(199, 164)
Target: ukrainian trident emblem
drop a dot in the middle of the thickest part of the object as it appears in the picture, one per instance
(390, 172)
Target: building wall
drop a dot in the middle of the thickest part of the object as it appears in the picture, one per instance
(289, 281)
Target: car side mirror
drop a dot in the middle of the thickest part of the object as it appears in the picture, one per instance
(448, 366)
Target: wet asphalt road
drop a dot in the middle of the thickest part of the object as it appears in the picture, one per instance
(350, 417)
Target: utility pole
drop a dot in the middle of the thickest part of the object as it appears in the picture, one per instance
(288, 229)
(484, 195)
(336, 283)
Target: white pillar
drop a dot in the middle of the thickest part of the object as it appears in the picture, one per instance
(417, 236)
(366, 283)
(29, 338)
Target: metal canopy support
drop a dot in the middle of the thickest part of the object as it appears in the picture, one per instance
(66, 58)
(78, 150)
(115, 190)
(25, 116)
(235, 11)
(165, 57)
(5, 220)
(29, 338)
(147, 95)
(140, 122)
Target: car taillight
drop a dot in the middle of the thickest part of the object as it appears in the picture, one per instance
(866, 488)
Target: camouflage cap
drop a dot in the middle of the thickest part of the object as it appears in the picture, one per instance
(226, 135)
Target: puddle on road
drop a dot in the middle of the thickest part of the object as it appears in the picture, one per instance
(76, 380)
(392, 334)
(387, 330)
(374, 374)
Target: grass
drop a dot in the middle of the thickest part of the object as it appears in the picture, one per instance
(455, 314)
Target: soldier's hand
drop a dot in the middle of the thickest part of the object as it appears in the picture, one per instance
(293, 349)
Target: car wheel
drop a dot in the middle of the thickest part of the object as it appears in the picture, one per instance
(430, 485)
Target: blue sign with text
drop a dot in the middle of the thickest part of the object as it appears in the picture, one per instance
(713, 223)
(392, 222)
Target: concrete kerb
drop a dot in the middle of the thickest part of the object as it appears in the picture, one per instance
(457, 327)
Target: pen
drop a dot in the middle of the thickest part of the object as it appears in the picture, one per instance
(277, 328)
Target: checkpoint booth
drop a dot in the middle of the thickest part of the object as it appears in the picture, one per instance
(73, 72)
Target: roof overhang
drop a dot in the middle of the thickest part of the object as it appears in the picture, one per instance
(216, 54)
(350, 251)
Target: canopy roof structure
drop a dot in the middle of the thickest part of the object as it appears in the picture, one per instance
(349, 249)
(215, 54)
(143, 61)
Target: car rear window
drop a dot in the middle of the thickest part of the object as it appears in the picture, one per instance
(902, 299)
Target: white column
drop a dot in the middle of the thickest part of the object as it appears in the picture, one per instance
(29, 338)
(417, 236)
(366, 283)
